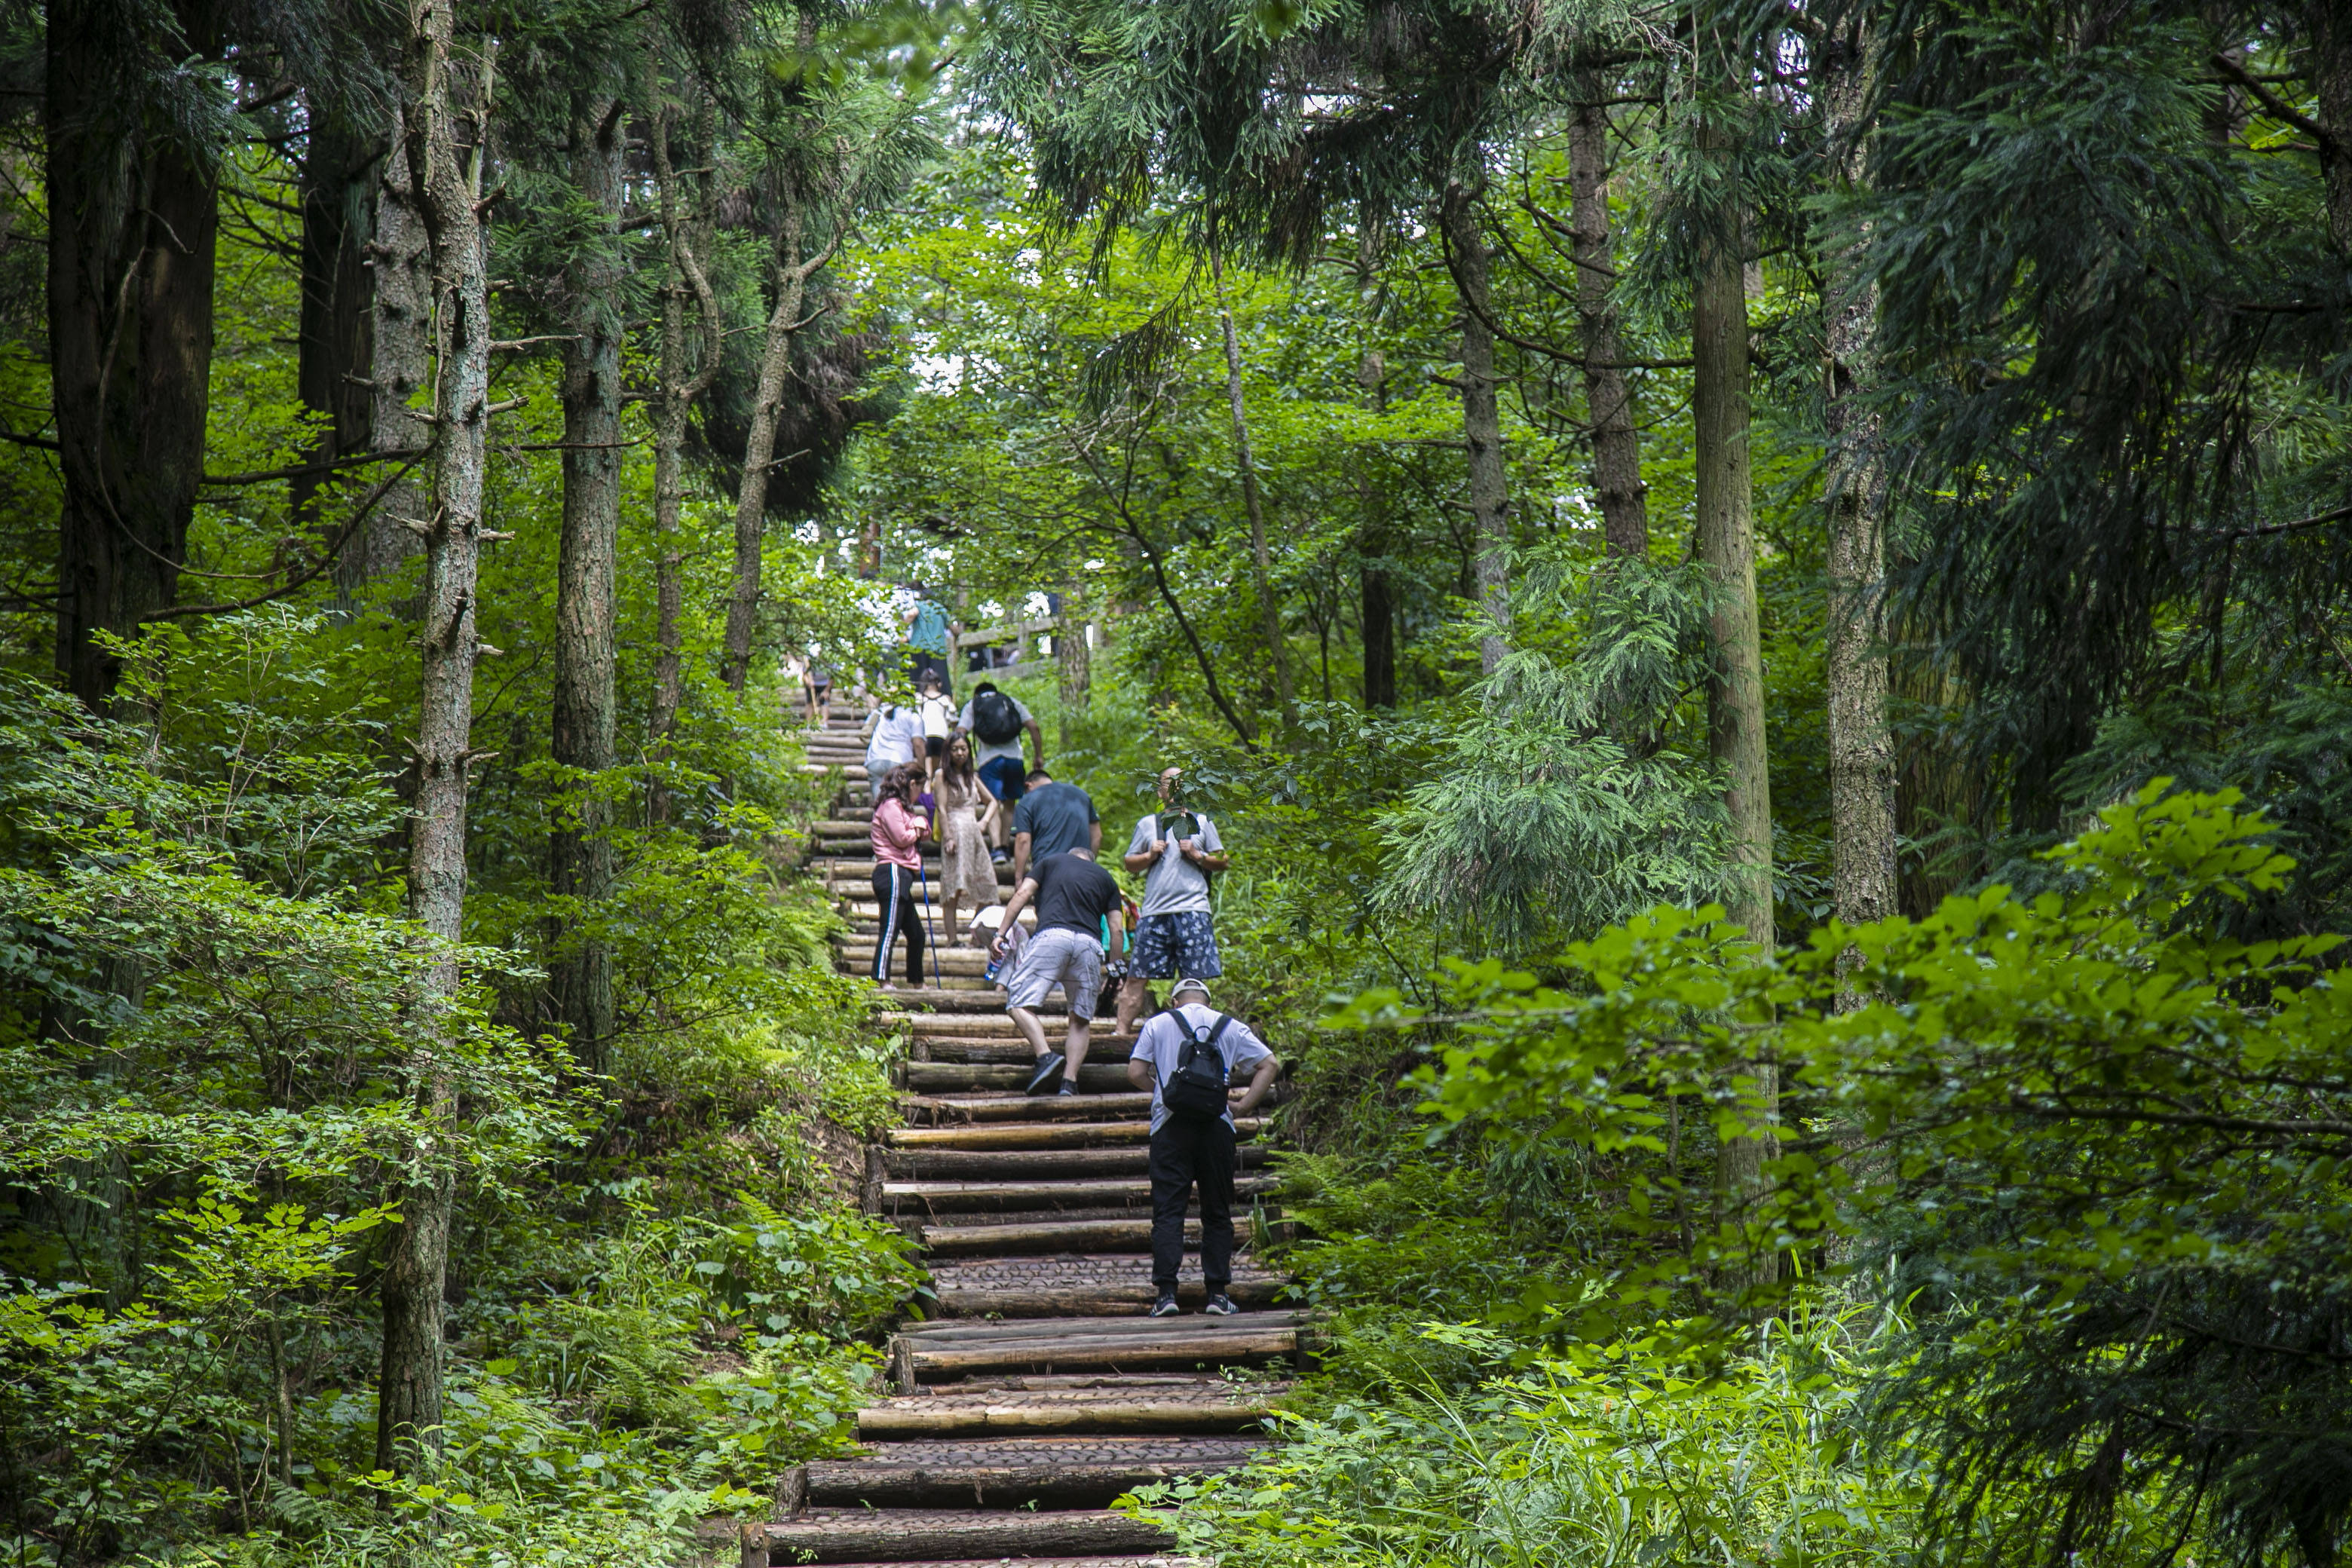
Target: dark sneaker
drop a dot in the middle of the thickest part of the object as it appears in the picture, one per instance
(1069, 1087)
(1221, 1306)
(998, 856)
(1165, 1307)
(1049, 1068)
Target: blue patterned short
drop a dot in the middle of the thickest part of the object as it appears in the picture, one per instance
(1169, 946)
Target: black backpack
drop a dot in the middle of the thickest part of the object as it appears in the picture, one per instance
(1197, 1087)
(995, 718)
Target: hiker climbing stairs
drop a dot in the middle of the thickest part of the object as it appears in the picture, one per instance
(1035, 1392)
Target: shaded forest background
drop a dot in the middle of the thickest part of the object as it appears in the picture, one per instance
(1877, 470)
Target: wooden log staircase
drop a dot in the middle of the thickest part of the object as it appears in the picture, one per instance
(1035, 1392)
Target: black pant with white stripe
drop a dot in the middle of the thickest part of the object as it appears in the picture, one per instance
(894, 890)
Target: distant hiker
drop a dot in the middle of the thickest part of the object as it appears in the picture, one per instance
(928, 636)
(1074, 896)
(898, 828)
(1186, 1056)
(894, 735)
(965, 810)
(994, 721)
(938, 717)
(816, 684)
(1051, 819)
(1176, 850)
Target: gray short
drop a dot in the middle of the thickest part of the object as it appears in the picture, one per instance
(1058, 956)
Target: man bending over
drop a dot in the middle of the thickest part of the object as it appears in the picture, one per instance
(1074, 896)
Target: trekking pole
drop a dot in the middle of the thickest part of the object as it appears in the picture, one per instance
(925, 886)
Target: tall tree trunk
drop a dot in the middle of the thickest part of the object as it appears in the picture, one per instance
(683, 238)
(2327, 32)
(1726, 545)
(332, 337)
(1608, 400)
(580, 847)
(1862, 744)
(1482, 423)
(791, 273)
(447, 172)
(400, 359)
(1269, 610)
(132, 218)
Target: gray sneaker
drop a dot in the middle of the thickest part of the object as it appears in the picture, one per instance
(1221, 1306)
(1165, 1307)
(1049, 1068)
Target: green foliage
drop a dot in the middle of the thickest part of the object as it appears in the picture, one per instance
(1610, 1456)
(2109, 1131)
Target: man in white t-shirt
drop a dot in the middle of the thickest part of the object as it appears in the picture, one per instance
(1176, 850)
(894, 734)
(1195, 1150)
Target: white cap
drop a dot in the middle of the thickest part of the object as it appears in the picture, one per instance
(1200, 986)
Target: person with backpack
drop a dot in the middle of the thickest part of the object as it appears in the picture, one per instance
(1187, 1057)
(994, 721)
(1177, 851)
(1076, 903)
(938, 717)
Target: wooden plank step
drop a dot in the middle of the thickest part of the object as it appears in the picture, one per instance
(1081, 1135)
(948, 984)
(998, 1109)
(899, 1535)
(1035, 1165)
(858, 869)
(944, 1008)
(968, 1196)
(968, 962)
(1065, 1236)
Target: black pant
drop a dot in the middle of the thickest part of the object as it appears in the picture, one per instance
(1188, 1150)
(894, 890)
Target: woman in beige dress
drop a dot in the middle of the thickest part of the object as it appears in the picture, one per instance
(966, 810)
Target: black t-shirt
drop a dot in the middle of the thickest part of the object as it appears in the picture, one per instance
(1074, 893)
(1057, 818)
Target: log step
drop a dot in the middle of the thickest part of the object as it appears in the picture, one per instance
(1037, 1165)
(1137, 1352)
(1058, 1300)
(942, 1078)
(1046, 1472)
(1185, 1407)
(938, 1008)
(960, 1333)
(899, 1535)
(997, 1108)
(969, 1196)
(1067, 1236)
(952, 960)
(1080, 1135)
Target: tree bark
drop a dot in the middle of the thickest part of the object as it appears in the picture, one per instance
(2327, 31)
(1726, 545)
(335, 318)
(1862, 745)
(400, 355)
(132, 218)
(1482, 424)
(1269, 610)
(1074, 665)
(791, 274)
(673, 397)
(580, 848)
(447, 169)
(1608, 400)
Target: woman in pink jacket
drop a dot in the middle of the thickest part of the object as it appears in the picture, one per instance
(898, 826)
